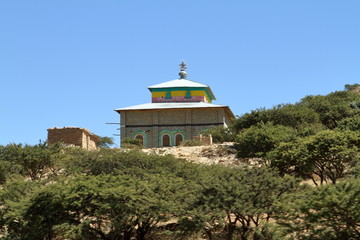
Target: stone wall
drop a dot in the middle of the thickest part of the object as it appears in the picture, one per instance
(205, 140)
(152, 124)
(73, 136)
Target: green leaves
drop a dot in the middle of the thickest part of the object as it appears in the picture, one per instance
(28, 160)
(328, 155)
(240, 199)
(327, 212)
(258, 140)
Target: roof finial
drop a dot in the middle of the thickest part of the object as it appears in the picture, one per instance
(182, 72)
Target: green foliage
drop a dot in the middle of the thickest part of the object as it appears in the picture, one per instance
(105, 142)
(326, 155)
(311, 110)
(104, 207)
(350, 87)
(352, 124)
(221, 134)
(50, 192)
(13, 199)
(258, 140)
(191, 143)
(238, 200)
(136, 163)
(32, 161)
(328, 212)
(250, 119)
(296, 116)
(333, 107)
(131, 143)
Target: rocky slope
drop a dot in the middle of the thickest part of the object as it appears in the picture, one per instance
(211, 154)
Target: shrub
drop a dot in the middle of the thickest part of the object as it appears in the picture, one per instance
(131, 143)
(190, 143)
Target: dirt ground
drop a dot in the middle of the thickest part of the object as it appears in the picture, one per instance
(223, 153)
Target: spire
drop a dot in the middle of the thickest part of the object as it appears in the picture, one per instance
(182, 72)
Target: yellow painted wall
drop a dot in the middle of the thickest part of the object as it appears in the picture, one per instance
(181, 93)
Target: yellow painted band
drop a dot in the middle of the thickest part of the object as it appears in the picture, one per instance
(179, 93)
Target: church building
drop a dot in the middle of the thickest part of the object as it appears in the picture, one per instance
(180, 110)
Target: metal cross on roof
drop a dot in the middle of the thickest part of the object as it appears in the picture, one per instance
(182, 65)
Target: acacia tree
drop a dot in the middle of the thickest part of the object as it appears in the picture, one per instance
(327, 212)
(13, 199)
(236, 200)
(32, 161)
(325, 156)
(333, 107)
(352, 124)
(260, 139)
(104, 207)
(105, 142)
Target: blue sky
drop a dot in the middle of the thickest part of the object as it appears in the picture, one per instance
(70, 63)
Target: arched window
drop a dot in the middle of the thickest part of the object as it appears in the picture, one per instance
(166, 140)
(141, 138)
(188, 95)
(178, 139)
(168, 95)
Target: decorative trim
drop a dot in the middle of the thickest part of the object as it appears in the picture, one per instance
(180, 99)
(183, 89)
(142, 133)
(172, 135)
(182, 136)
(161, 135)
(177, 125)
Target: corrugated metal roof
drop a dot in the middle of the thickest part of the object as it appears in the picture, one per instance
(168, 105)
(178, 83)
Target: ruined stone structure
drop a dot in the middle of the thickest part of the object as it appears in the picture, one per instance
(205, 140)
(180, 110)
(73, 136)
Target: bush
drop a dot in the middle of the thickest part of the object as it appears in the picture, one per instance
(220, 134)
(260, 139)
(131, 143)
(190, 143)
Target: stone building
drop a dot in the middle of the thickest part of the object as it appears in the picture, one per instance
(73, 136)
(180, 110)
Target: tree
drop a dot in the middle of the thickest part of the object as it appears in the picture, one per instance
(326, 155)
(105, 207)
(352, 124)
(238, 200)
(105, 142)
(350, 87)
(32, 161)
(333, 107)
(221, 134)
(328, 212)
(13, 199)
(131, 143)
(295, 116)
(258, 140)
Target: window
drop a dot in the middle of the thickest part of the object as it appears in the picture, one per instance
(166, 140)
(188, 95)
(168, 95)
(178, 139)
(141, 138)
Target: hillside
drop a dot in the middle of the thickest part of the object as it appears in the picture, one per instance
(209, 154)
(55, 192)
